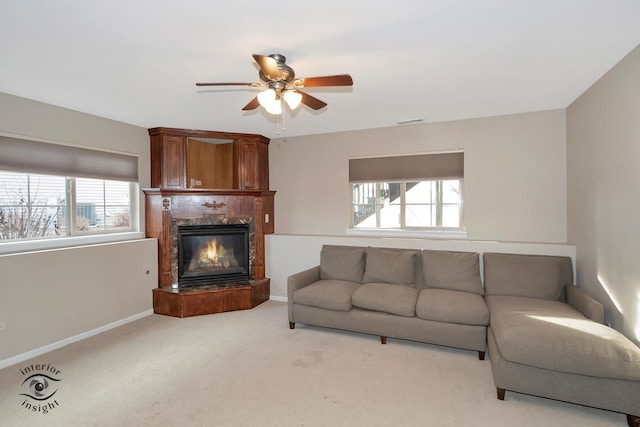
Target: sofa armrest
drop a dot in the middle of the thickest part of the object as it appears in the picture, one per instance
(300, 280)
(585, 303)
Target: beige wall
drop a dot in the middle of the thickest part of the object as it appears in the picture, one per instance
(515, 174)
(48, 296)
(603, 150)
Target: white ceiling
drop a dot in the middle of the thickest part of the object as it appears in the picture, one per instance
(137, 61)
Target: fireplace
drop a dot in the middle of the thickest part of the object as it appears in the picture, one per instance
(213, 251)
(209, 254)
(197, 183)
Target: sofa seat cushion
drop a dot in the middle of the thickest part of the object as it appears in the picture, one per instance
(386, 297)
(552, 335)
(443, 305)
(329, 294)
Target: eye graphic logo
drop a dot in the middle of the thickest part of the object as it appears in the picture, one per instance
(40, 386)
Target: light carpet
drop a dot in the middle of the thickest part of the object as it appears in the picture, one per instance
(247, 368)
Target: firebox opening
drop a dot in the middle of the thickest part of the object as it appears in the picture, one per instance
(209, 254)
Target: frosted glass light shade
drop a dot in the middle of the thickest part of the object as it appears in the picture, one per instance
(275, 107)
(270, 101)
(292, 98)
(266, 97)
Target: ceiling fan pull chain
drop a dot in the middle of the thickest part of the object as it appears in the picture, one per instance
(284, 119)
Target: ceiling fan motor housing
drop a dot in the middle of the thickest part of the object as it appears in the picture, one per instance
(287, 75)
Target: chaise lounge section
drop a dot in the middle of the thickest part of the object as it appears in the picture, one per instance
(541, 345)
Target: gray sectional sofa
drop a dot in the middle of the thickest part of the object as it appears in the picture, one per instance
(544, 335)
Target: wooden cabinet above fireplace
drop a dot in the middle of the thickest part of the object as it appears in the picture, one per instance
(184, 159)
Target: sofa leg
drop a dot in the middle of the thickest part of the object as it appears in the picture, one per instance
(292, 325)
(633, 420)
(501, 393)
(383, 340)
(481, 355)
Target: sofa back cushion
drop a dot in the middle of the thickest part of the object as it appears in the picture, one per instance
(456, 271)
(533, 276)
(342, 263)
(396, 266)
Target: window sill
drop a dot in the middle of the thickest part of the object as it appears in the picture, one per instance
(14, 247)
(412, 234)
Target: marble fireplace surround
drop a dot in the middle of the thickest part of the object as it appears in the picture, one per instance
(210, 219)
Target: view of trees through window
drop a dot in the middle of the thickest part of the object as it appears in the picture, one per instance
(422, 204)
(37, 206)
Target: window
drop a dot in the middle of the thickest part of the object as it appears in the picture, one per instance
(419, 205)
(36, 206)
(422, 192)
(64, 191)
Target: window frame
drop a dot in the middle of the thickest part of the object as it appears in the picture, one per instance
(75, 237)
(133, 211)
(403, 205)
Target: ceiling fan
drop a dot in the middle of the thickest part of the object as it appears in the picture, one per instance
(281, 83)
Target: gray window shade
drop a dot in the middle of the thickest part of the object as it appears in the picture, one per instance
(21, 155)
(421, 167)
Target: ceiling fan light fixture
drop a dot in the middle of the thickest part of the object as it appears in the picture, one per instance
(292, 98)
(275, 107)
(266, 97)
(270, 101)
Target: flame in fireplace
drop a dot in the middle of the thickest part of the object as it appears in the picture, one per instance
(214, 250)
(216, 255)
(211, 251)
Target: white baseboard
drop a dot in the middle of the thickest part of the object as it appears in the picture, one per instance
(277, 298)
(53, 346)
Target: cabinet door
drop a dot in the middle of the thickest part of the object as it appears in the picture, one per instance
(263, 165)
(173, 162)
(248, 165)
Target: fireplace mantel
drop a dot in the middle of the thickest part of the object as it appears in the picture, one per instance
(207, 191)
(172, 198)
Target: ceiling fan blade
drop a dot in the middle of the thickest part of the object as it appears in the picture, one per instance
(338, 80)
(268, 65)
(252, 105)
(227, 84)
(312, 102)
